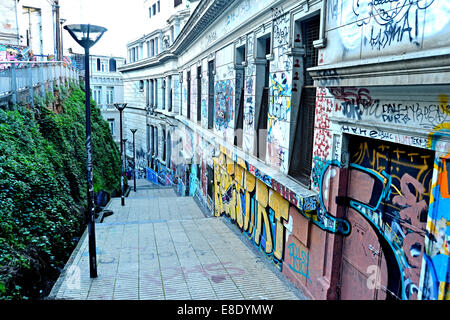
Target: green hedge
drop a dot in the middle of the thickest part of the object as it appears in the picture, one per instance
(43, 186)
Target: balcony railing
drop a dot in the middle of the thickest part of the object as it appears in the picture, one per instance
(21, 80)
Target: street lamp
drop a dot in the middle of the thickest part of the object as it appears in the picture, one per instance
(62, 21)
(133, 131)
(86, 36)
(120, 107)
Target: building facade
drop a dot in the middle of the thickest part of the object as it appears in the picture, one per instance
(319, 128)
(27, 30)
(106, 85)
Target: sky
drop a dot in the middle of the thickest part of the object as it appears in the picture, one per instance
(122, 18)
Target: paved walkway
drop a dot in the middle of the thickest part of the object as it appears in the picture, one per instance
(160, 246)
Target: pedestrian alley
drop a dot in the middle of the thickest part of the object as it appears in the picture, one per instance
(162, 247)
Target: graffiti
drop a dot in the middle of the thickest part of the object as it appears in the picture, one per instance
(329, 77)
(437, 254)
(390, 22)
(353, 101)
(259, 204)
(300, 260)
(249, 85)
(204, 178)
(390, 188)
(15, 53)
(322, 135)
(280, 102)
(386, 135)
(211, 37)
(247, 201)
(193, 180)
(204, 109)
(243, 8)
(223, 102)
(280, 27)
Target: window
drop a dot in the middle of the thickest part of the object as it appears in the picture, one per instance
(110, 95)
(188, 82)
(159, 7)
(199, 94)
(111, 125)
(98, 64)
(141, 85)
(112, 65)
(98, 95)
(104, 66)
(176, 3)
(239, 99)
(302, 147)
(261, 116)
(150, 12)
(210, 94)
(154, 9)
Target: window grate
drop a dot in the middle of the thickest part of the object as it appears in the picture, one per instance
(311, 29)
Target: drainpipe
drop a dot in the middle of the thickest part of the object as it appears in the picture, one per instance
(17, 22)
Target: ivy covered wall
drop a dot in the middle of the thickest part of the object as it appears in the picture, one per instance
(43, 186)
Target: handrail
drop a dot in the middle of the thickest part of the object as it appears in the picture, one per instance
(20, 79)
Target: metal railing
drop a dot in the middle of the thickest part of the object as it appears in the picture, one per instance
(20, 81)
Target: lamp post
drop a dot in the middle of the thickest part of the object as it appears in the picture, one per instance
(125, 161)
(87, 35)
(133, 131)
(121, 107)
(62, 21)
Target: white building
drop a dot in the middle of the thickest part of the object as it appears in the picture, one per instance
(165, 20)
(106, 86)
(9, 32)
(28, 24)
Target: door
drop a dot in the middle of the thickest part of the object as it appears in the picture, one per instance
(387, 202)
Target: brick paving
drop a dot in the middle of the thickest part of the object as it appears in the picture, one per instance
(160, 246)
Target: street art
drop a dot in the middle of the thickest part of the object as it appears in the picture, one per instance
(259, 205)
(280, 27)
(280, 97)
(387, 23)
(247, 201)
(223, 102)
(390, 187)
(193, 180)
(322, 135)
(278, 115)
(300, 260)
(15, 53)
(437, 249)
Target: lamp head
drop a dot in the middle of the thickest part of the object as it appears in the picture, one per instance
(86, 35)
(120, 106)
(133, 130)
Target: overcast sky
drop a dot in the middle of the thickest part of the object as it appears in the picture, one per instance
(122, 18)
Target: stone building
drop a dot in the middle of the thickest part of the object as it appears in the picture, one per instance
(27, 30)
(106, 85)
(319, 128)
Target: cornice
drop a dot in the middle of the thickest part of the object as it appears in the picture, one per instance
(418, 68)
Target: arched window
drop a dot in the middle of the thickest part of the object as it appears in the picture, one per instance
(112, 65)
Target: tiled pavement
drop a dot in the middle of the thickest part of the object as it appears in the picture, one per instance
(160, 246)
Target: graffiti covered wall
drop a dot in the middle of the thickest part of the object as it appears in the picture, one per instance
(365, 28)
(396, 187)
